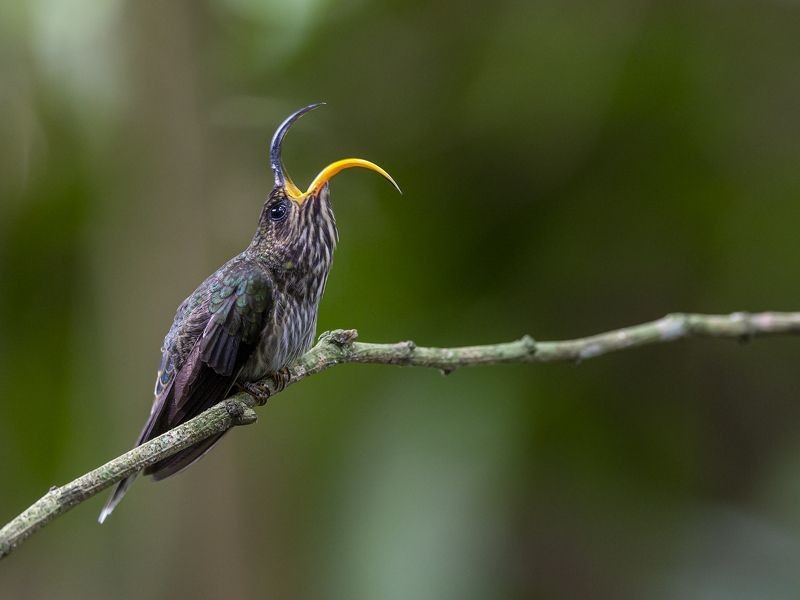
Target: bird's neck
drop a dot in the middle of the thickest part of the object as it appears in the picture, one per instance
(300, 266)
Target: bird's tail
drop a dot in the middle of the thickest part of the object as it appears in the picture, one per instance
(150, 430)
(116, 497)
(161, 470)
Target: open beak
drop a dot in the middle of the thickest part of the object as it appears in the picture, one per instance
(282, 178)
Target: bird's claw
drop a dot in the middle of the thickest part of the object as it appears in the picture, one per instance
(261, 391)
(281, 379)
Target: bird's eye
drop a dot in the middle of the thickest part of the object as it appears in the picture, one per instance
(278, 212)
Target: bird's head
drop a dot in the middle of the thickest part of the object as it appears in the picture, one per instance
(298, 228)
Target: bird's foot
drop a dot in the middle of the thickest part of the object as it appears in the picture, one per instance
(261, 391)
(281, 378)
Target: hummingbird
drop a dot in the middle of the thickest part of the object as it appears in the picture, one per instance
(253, 316)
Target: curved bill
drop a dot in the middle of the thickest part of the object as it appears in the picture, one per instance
(282, 178)
(336, 167)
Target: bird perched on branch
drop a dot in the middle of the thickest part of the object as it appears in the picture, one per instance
(253, 316)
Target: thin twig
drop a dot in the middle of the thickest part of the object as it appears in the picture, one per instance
(340, 347)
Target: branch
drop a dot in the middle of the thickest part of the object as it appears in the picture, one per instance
(340, 347)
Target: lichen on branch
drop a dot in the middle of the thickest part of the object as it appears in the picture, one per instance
(341, 347)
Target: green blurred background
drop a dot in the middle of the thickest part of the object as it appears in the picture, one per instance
(568, 167)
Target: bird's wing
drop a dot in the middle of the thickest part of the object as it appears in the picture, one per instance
(235, 315)
(203, 354)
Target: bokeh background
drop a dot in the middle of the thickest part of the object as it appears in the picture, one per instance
(568, 167)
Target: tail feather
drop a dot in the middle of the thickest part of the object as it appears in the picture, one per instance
(161, 470)
(147, 433)
(116, 497)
